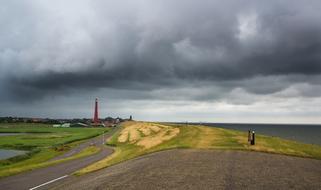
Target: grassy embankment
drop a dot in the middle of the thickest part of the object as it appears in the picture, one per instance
(138, 138)
(43, 143)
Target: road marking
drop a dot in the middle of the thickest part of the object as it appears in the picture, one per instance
(59, 178)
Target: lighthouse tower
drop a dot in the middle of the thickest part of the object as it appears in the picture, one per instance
(96, 119)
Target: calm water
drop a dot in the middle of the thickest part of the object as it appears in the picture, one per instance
(4, 154)
(305, 133)
(11, 134)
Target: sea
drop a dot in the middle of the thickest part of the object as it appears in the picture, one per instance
(305, 133)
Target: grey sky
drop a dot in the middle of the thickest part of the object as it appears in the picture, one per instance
(164, 60)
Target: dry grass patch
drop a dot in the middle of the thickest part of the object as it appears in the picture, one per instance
(146, 131)
(123, 137)
(154, 134)
(208, 136)
(154, 128)
(133, 135)
(163, 135)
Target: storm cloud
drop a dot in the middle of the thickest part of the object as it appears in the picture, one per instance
(241, 53)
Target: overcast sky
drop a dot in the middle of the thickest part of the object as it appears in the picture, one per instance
(162, 60)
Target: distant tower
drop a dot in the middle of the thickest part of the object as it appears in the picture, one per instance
(96, 120)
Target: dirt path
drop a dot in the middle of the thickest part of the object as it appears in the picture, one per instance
(204, 169)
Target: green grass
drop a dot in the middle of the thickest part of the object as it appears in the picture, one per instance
(201, 137)
(43, 135)
(43, 143)
(39, 161)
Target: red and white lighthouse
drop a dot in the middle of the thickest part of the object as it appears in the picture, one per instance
(96, 119)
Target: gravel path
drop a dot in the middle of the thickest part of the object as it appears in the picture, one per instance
(204, 169)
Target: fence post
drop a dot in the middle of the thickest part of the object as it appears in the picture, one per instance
(253, 138)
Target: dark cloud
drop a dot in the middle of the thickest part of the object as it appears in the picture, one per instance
(160, 50)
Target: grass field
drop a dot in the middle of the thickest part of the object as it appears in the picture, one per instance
(43, 143)
(139, 138)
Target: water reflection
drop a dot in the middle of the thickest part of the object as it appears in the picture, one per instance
(5, 154)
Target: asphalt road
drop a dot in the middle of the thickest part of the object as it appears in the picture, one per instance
(97, 141)
(39, 178)
(203, 169)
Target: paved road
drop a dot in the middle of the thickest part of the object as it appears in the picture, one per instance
(61, 171)
(203, 169)
(97, 141)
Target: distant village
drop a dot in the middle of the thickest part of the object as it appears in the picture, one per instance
(77, 122)
(84, 122)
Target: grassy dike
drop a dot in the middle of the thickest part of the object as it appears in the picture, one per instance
(196, 137)
(43, 143)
